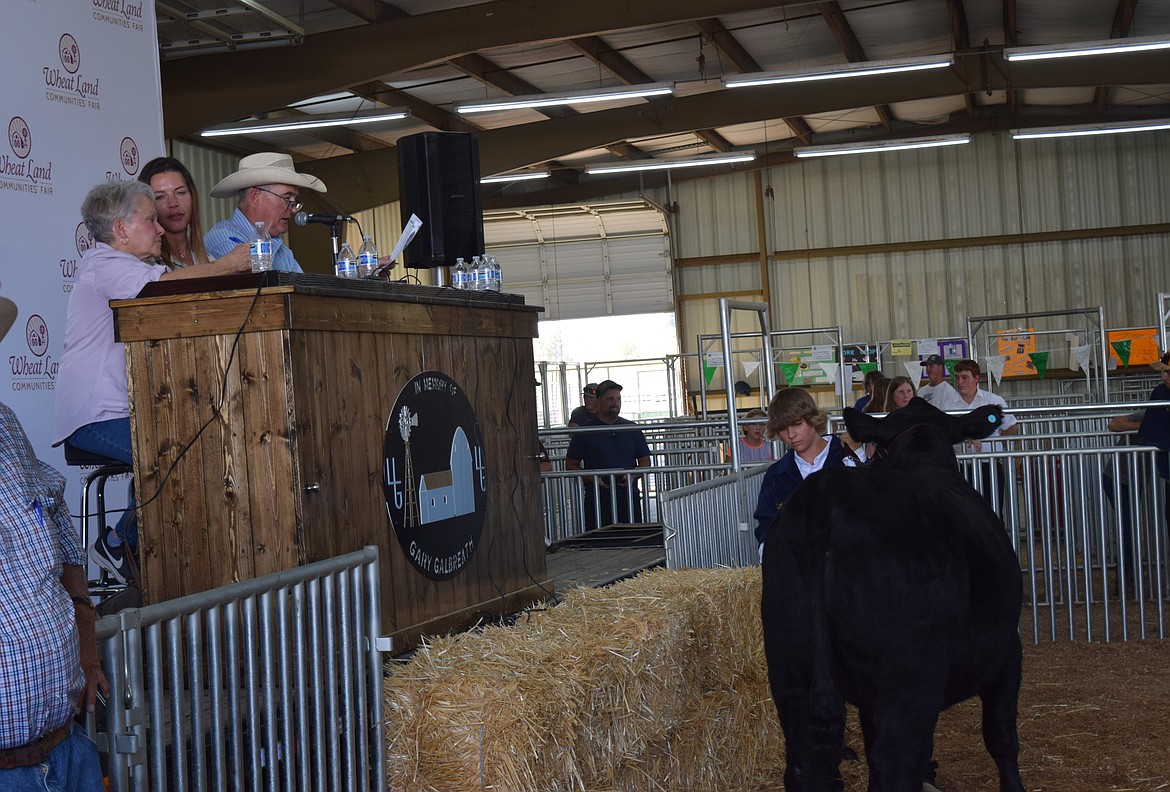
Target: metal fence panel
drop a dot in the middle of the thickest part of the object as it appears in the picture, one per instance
(1087, 518)
(269, 684)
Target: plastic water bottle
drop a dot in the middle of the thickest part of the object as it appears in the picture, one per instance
(459, 276)
(261, 249)
(495, 276)
(477, 277)
(346, 266)
(367, 258)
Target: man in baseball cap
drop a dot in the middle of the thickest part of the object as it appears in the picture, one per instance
(619, 496)
(588, 409)
(50, 661)
(265, 187)
(938, 391)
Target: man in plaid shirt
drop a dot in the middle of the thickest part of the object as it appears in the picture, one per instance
(49, 664)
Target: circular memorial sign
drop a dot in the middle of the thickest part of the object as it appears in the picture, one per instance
(435, 475)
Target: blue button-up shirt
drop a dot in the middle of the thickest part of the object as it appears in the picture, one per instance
(40, 670)
(226, 234)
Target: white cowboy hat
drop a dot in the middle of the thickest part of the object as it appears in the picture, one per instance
(7, 316)
(265, 168)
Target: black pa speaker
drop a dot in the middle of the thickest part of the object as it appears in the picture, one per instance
(438, 180)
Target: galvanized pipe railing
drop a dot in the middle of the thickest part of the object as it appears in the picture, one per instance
(273, 683)
(1089, 526)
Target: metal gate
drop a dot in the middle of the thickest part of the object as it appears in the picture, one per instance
(269, 684)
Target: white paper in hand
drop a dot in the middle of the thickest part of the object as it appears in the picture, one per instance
(412, 227)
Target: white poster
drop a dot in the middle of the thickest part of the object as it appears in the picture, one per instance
(81, 105)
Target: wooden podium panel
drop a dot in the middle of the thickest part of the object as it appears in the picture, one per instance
(283, 393)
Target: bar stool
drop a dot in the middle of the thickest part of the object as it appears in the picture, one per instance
(104, 586)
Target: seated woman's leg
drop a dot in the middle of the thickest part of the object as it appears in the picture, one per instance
(112, 439)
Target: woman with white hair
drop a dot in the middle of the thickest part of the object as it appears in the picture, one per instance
(92, 406)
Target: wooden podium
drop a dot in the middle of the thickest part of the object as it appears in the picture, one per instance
(305, 371)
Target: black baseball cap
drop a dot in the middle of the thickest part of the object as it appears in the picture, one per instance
(606, 385)
(590, 390)
(933, 360)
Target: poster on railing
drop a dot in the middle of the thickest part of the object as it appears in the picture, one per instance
(1014, 346)
(946, 348)
(801, 366)
(1143, 346)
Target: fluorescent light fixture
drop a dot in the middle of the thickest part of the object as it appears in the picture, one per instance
(514, 177)
(1077, 130)
(881, 146)
(306, 122)
(645, 165)
(566, 98)
(864, 69)
(1083, 48)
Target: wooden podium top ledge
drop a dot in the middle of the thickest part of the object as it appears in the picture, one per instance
(276, 281)
(253, 302)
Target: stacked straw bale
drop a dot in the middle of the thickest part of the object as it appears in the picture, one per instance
(658, 682)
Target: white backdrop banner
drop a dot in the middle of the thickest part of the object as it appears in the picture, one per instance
(82, 105)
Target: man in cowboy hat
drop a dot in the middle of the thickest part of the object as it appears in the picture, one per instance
(266, 186)
(49, 663)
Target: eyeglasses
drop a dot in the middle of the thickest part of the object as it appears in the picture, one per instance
(293, 206)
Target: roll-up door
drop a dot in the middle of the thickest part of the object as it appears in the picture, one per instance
(610, 259)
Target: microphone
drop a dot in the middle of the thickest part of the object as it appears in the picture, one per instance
(304, 218)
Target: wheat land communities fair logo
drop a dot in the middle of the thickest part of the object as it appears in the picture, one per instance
(19, 171)
(128, 153)
(36, 333)
(435, 475)
(64, 84)
(19, 137)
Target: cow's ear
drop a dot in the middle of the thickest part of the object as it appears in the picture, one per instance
(981, 422)
(862, 427)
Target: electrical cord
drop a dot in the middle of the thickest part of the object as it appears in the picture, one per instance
(216, 408)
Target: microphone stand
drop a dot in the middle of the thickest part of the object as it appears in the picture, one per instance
(333, 233)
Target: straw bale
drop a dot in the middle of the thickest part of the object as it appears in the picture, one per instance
(658, 682)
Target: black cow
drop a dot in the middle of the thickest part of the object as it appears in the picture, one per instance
(893, 587)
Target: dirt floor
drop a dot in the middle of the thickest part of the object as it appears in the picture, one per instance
(1093, 717)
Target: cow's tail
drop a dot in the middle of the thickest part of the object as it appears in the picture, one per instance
(827, 719)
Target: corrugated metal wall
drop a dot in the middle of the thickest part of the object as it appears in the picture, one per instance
(917, 279)
(901, 245)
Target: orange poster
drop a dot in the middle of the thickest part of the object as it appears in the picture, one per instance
(1143, 345)
(1015, 345)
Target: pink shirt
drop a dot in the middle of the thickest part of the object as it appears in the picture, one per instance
(91, 385)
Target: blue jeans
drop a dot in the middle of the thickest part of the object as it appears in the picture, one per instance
(111, 439)
(71, 767)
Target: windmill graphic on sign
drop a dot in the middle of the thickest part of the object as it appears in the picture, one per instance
(407, 421)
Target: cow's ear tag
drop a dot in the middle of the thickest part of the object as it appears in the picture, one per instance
(991, 419)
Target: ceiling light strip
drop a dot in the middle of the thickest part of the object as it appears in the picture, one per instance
(725, 159)
(863, 69)
(1083, 48)
(513, 177)
(880, 147)
(566, 98)
(258, 127)
(1080, 130)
